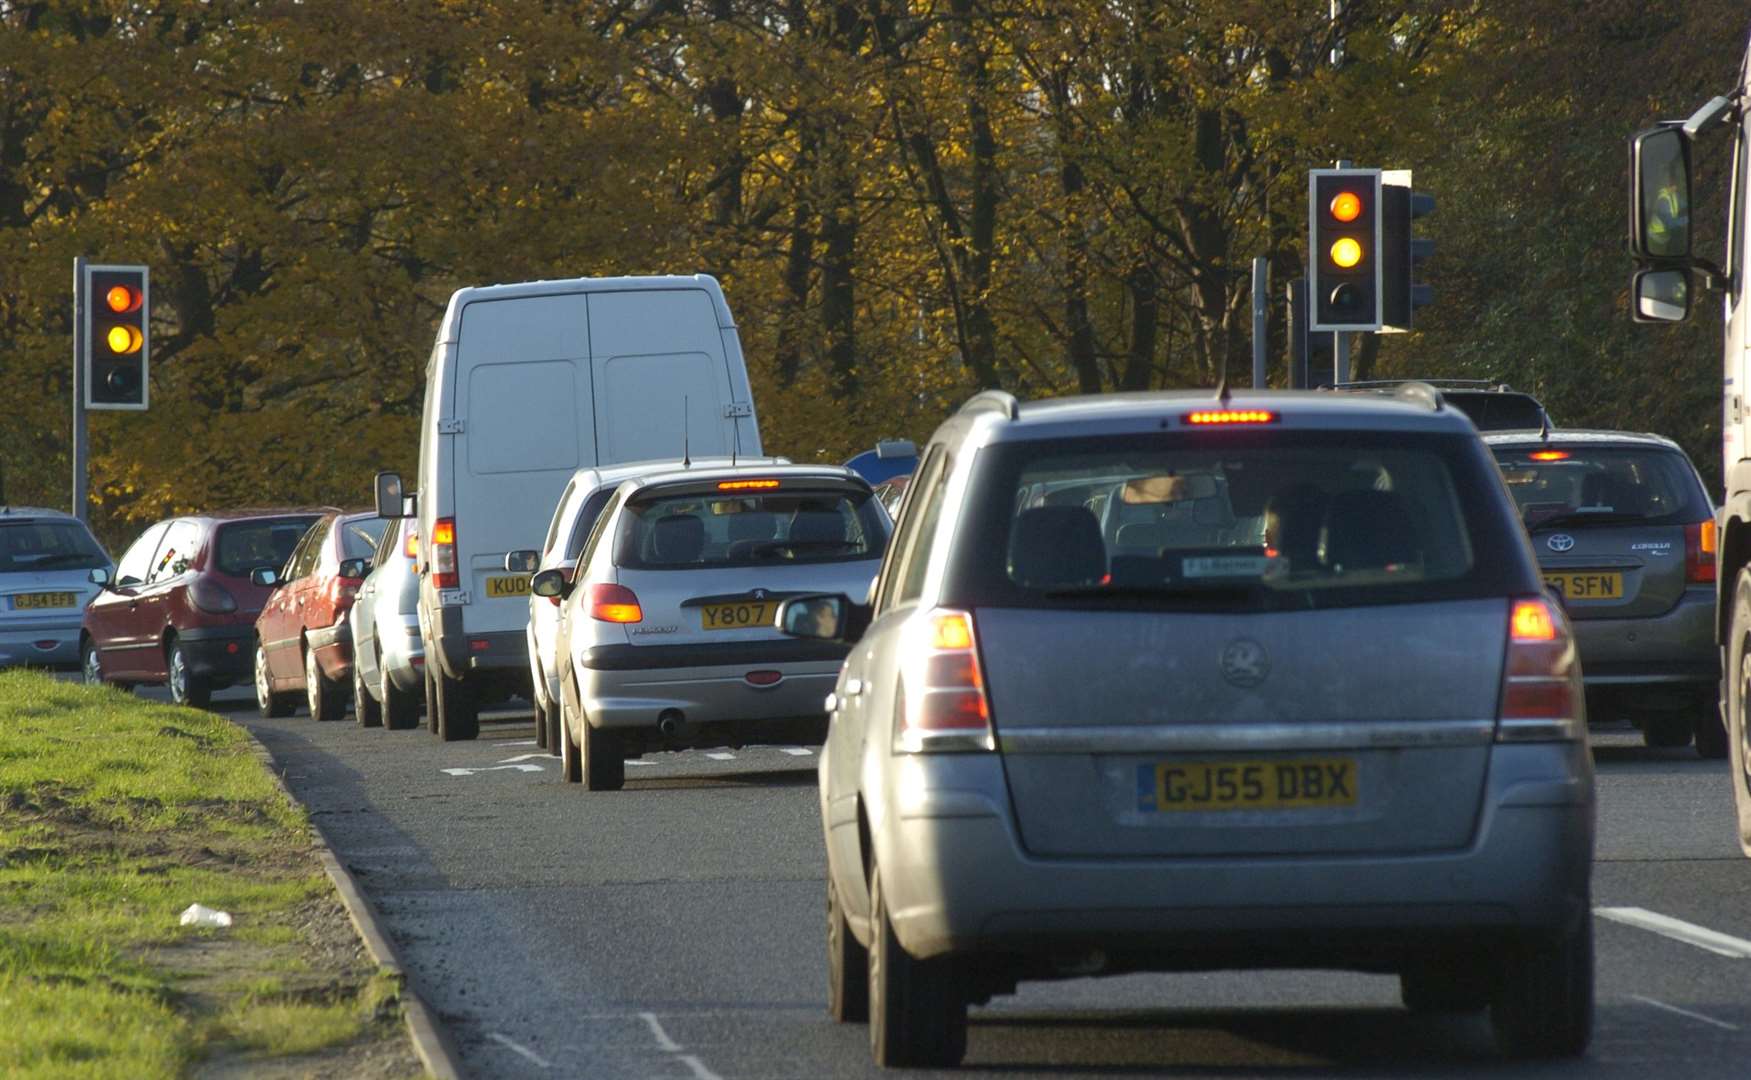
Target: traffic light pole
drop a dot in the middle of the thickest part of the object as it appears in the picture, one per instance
(80, 495)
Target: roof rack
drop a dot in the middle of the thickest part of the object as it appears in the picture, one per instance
(1456, 384)
(1001, 400)
(1419, 393)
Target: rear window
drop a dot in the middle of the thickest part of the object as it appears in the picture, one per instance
(359, 537)
(790, 526)
(29, 546)
(1255, 520)
(243, 546)
(1497, 410)
(1594, 485)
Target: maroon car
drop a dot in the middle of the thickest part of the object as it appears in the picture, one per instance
(303, 641)
(181, 607)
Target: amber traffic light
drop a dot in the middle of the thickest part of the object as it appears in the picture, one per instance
(1343, 244)
(116, 337)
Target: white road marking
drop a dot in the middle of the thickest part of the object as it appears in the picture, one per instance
(1678, 930)
(700, 1072)
(796, 751)
(719, 755)
(490, 768)
(519, 742)
(636, 761)
(525, 757)
(663, 1041)
(523, 1050)
(1722, 1024)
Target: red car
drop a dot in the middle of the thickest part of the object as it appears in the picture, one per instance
(303, 642)
(180, 608)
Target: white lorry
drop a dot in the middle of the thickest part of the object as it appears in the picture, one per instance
(527, 383)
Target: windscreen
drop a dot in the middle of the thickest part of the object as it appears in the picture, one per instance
(48, 545)
(749, 529)
(1237, 521)
(1554, 484)
(267, 543)
(359, 537)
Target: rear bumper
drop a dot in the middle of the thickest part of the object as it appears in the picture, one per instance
(221, 653)
(457, 652)
(400, 651)
(638, 697)
(333, 646)
(1676, 647)
(49, 641)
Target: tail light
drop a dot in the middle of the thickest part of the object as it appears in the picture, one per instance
(1540, 699)
(341, 592)
(410, 545)
(211, 597)
(443, 555)
(1699, 553)
(943, 701)
(614, 603)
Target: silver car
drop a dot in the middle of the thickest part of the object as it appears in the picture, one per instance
(1624, 529)
(46, 560)
(388, 654)
(1172, 682)
(667, 633)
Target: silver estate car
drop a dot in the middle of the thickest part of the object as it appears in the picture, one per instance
(46, 560)
(1173, 682)
(388, 654)
(1624, 529)
(668, 636)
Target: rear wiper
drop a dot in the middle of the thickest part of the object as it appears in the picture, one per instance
(1586, 517)
(53, 560)
(803, 545)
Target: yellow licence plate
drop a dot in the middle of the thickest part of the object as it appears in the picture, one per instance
(1592, 585)
(1294, 784)
(738, 616)
(507, 585)
(37, 600)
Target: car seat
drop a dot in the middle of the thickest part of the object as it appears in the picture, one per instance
(1294, 518)
(1056, 545)
(749, 530)
(1368, 530)
(678, 538)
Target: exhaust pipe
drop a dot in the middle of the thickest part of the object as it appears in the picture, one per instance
(669, 723)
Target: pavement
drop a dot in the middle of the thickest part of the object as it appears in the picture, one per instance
(675, 929)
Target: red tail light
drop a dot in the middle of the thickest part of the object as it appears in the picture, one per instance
(614, 603)
(210, 596)
(1540, 698)
(945, 705)
(1699, 553)
(443, 555)
(410, 546)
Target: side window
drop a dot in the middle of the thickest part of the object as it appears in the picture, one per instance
(565, 499)
(918, 557)
(176, 552)
(589, 549)
(386, 543)
(588, 517)
(900, 544)
(309, 551)
(136, 562)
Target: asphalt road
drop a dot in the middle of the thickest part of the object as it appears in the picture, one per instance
(675, 929)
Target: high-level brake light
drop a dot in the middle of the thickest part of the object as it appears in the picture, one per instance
(1231, 416)
(1549, 455)
(746, 485)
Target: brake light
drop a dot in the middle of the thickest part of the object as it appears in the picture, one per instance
(410, 546)
(746, 485)
(942, 687)
(1231, 416)
(614, 603)
(443, 555)
(1549, 455)
(211, 597)
(1540, 697)
(1699, 553)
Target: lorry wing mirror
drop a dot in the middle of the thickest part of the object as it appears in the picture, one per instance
(1660, 296)
(390, 503)
(1659, 203)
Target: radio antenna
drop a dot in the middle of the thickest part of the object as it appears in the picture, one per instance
(686, 457)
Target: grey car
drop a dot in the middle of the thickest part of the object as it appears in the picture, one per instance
(388, 654)
(1173, 682)
(46, 560)
(1624, 528)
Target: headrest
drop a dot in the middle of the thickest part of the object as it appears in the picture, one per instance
(1056, 545)
(678, 538)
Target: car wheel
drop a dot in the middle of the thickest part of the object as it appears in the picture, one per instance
(90, 664)
(1667, 730)
(917, 1008)
(365, 707)
(602, 762)
(847, 965)
(1445, 984)
(458, 709)
(571, 767)
(186, 688)
(1738, 676)
(1711, 728)
(268, 703)
(1543, 1004)
(319, 693)
(538, 700)
(401, 709)
(431, 700)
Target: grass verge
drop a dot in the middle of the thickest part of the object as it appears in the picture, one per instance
(115, 815)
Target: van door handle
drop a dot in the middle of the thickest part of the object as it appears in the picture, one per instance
(853, 687)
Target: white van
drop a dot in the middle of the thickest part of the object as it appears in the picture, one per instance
(526, 384)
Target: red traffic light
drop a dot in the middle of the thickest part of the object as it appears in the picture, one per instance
(1346, 206)
(122, 299)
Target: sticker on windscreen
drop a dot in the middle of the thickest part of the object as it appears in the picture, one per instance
(1224, 566)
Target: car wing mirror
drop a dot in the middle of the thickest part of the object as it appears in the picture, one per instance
(100, 577)
(522, 562)
(355, 568)
(822, 617)
(265, 576)
(550, 583)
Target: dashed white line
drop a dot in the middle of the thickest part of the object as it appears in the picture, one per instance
(1678, 930)
(700, 1072)
(1722, 1024)
(520, 1049)
(719, 755)
(797, 751)
(663, 1041)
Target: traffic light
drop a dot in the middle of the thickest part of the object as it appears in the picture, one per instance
(116, 302)
(1343, 249)
(1402, 254)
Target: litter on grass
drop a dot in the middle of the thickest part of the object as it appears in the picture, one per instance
(202, 915)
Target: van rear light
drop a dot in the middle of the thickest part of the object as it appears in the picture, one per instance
(1699, 553)
(211, 597)
(944, 704)
(443, 555)
(1541, 695)
(614, 603)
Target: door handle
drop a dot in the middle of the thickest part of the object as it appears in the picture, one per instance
(853, 687)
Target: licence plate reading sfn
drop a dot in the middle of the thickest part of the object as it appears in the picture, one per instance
(1588, 586)
(507, 585)
(37, 601)
(1298, 784)
(737, 616)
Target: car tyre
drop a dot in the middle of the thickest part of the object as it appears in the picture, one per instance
(401, 709)
(1737, 673)
(1711, 729)
(1446, 984)
(90, 663)
(570, 764)
(917, 1008)
(186, 688)
(458, 709)
(366, 709)
(431, 700)
(320, 693)
(538, 700)
(847, 965)
(602, 762)
(1543, 1003)
(1667, 730)
(267, 702)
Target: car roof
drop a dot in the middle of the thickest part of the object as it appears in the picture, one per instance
(1580, 437)
(612, 475)
(744, 471)
(254, 513)
(33, 513)
(450, 326)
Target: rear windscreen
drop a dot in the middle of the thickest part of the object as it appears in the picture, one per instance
(1497, 410)
(1553, 485)
(48, 545)
(690, 531)
(1237, 521)
(243, 546)
(359, 537)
